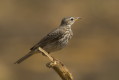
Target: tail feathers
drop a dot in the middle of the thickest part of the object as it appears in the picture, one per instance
(24, 57)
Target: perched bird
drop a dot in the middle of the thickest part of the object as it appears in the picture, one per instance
(55, 40)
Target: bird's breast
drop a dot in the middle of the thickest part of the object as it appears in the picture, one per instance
(60, 43)
(66, 37)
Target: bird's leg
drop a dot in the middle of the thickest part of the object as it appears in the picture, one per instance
(44, 54)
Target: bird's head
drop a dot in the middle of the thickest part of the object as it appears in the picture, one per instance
(69, 20)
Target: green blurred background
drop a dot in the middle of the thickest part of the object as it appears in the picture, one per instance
(92, 54)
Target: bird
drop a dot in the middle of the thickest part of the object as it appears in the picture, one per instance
(56, 40)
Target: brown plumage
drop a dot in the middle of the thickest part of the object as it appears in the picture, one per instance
(55, 40)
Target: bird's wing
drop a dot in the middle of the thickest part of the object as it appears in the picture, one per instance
(51, 37)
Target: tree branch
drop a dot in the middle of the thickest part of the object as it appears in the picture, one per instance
(58, 66)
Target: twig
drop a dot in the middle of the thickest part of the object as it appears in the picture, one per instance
(46, 54)
(58, 66)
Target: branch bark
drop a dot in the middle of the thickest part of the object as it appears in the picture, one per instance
(58, 66)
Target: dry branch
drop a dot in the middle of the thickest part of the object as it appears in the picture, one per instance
(58, 66)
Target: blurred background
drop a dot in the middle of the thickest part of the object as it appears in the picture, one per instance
(92, 54)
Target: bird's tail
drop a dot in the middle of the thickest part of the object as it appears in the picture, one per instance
(25, 57)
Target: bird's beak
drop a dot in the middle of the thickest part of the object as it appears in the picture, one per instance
(76, 18)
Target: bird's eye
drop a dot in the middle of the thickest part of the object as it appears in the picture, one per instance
(71, 19)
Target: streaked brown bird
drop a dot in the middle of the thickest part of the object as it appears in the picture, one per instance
(55, 40)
